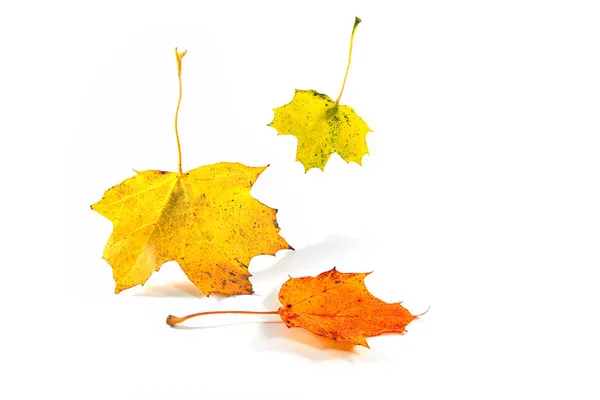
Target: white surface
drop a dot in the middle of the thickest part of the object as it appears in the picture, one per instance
(480, 197)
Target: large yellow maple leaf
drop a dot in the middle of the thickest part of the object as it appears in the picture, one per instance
(323, 126)
(204, 219)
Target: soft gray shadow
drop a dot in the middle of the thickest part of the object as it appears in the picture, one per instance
(310, 260)
(171, 289)
(271, 301)
(318, 257)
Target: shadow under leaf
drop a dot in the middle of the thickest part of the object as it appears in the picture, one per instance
(171, 289)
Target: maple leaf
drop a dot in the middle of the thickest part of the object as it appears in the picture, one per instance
(204, 219)
(323, 126)
(335, 305)
(339, 306)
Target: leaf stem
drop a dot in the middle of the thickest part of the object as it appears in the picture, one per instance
(356, 22)
(179, 55)
(172, 320)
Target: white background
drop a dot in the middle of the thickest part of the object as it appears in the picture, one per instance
(480, 197)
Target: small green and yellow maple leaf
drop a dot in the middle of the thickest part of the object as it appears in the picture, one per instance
(204, 219)
(323, 126)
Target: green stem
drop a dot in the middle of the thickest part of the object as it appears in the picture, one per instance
(356, 22)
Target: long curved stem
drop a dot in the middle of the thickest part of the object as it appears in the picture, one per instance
(172, 320)
(356, 22)
(179, 56)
